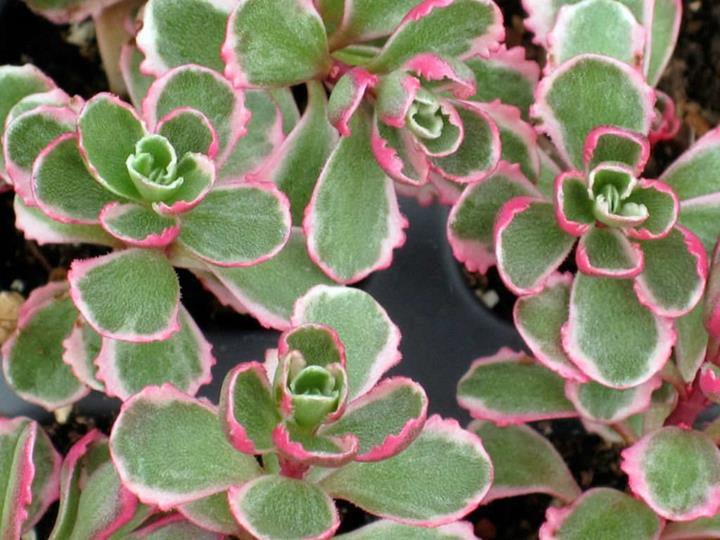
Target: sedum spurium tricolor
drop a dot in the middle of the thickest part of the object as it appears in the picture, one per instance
(315, 421)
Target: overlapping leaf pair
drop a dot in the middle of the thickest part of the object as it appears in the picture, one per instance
(327, 426)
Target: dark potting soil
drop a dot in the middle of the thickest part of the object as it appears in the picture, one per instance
(691, 80)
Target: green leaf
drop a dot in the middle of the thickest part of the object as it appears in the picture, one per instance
(661, 205)
(456, 28)
(696, 172)
(136, 82)
(517, 138)
(93, 502)
(183, 360)
(275, 43)
(173, 527)
(237, 225)
(663, 36)
(702, 216)
(269, 289)
(189, 131)
(618, 145)
(584, 79)
(212, 513)
(169, 449)
(365, 20)
(370, 337)
(692, 342)
(33, 357)
(281, 507)
(189, 87)
(385, 528)
(697, 529)
(299, 160)
(248, 412)
(179, 32)
(603, 27)
(611, 337)
(131, 294)
(606, 251)
(138, 225)
(602, 513)
(385, 420)
(26, 137)
(80, 349)
(540, 317)
(471, 221)
(108, 130)
(17, 82)
(439, 478)
(609, 405)
(524, 462)
(507, 76)
(529, 244)
(264, 134)
(35, 225)
(673, 280)
(511, 388)
(676, 472)
(63, 187)
(353, 222)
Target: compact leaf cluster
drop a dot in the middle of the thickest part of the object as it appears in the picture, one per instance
(210, 167)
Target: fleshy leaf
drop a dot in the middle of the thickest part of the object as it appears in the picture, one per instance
(189, 87)
(198, 176)
(303, 448)
(275, 43)
(30, 474)
(173, 527)
(601, 512)
(269, 290)
(264, 135)
(700, 215)
(370, 337)
(364, 20)
(673, 280)
(178, 434)
(239, 225)
(183, 360)
(280, 507)
(662, 206)
(385, 528)
(505, 75)
(139, 226)
(529, 244)
(573, 206)
(604, 27)
(170, 38)
(539, 319)
(93, 502)
(80, 349)
(609, 143)
(347, 96)
(385, 420)
(25, 138)
(16, 83)
(189, 130)
(471, 221)
(353, 222)
(611, 337)
(697, 529)
(62, 186)
(35, 225)
(676, 472)
(33, 356)
(136, 82)
(511, 388)
(584, 79)
(667, 15)
(131, 294)
(607, 252)
(479, 150)
(453, 28)
(608, 405)
(248, 413)
(212, 513)
(524, 462)
(108, 130)
(440, 477)
(692, 342)
(297, 163)
(318, 344)
(398, 154)
(694, 173)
